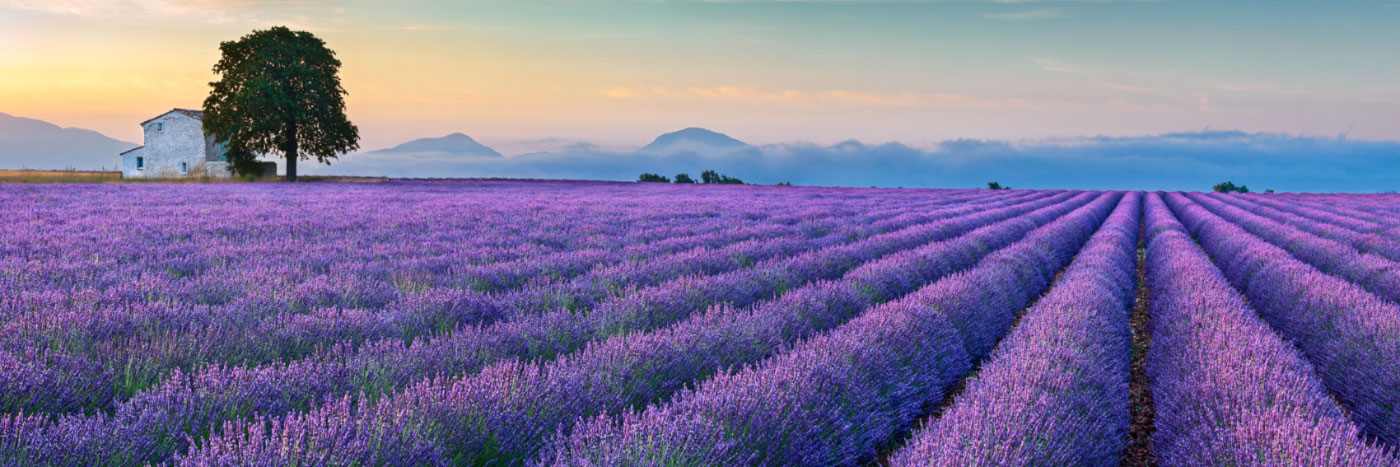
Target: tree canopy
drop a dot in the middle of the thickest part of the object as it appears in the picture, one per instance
(712, 177)
(1229, 187)
(279, 92)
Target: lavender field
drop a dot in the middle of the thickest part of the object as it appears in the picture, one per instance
(600, 324)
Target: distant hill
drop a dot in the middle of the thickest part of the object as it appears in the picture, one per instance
(537, 146)
(696, 140)
(453, 144)
(36, 144)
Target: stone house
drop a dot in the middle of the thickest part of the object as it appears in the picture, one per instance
(175, 146)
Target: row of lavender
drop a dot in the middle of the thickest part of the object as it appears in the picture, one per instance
(115, 347)
(1228, 388)
(1350, 335)
(504, 413)
(167, 414)
(831, 328)
(145, 422)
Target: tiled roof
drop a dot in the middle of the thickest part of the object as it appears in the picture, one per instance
(129, 150)
(195, 114)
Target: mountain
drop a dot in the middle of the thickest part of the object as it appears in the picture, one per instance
(454, 144)
(36, 144)
(696, 140)
(518, 147)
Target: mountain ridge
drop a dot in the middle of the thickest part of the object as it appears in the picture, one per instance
(37, 144)
(694, 139)
(456, 143)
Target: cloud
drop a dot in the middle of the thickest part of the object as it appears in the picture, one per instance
(1172, 161)
(1128, 88)
(425, 27)
(800, 98)
(926, 1)
(211, 11)
(1108, 78)
(1026, 15)
(1260, 88)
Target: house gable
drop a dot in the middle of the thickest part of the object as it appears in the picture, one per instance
(175, 146)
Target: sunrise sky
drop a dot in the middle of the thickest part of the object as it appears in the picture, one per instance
(761, 71)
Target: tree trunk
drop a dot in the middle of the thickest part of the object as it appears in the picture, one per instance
(291, 146)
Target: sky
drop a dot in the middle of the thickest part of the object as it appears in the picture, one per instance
(766, 72)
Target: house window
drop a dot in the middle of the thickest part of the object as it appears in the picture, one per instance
(160, 126)
(184, 167)
(140, 163)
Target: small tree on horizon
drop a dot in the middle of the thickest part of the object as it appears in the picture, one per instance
(996, 186)
(712, 177)
(684, 178)
(653, 178)
(278, 93)
(1229, 187)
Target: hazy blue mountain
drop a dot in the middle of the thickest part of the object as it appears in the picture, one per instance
(517, 147)
(1172, 161)
(696, 140)
(453, 144)
(36, 144)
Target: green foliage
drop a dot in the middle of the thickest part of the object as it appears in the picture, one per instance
(996, 186)
(684, 178)
(712, 177)
(278, 92)
(1230, 187)
(651, 177)
(1268, 190)
(784, 183)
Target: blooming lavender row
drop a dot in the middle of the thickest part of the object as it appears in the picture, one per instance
(328, 268)
(1364, 237)
(1227, 390)
(518, 273)
(224, 338)
(586, 291)
(339, 327)
(151, 427)
(583, 292)
(297, 335)
(1356, 220)
(1380, 206)
(502, 415)
(1377, 275)
(834, 399)
(1055, 391)
(1349, 335)
(1380, 234)
(221, 335)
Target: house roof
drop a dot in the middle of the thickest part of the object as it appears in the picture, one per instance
(129, 150)
(195, 114)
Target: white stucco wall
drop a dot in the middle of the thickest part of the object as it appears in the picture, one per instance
(129, 163)
(174, 139)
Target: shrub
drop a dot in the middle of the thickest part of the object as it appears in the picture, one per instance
(1229, 187)
(712, 177)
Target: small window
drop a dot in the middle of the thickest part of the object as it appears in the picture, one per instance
(184, 167)
(140, 163)
(160, 126)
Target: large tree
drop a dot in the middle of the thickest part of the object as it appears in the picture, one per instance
(279, 93)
